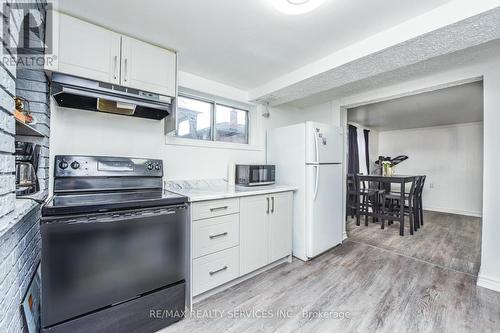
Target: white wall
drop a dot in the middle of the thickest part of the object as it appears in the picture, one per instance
(489, 274)
(288, 115)
(373, 146)
(323, 113)
(450, 156)
(92, 133)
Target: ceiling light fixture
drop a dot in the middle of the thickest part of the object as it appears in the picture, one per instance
(296, 7)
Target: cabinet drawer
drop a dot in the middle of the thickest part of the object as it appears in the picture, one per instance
(215, 234)
(212, 208)
(215, 269)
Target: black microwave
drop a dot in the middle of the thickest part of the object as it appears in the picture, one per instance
(255, 175)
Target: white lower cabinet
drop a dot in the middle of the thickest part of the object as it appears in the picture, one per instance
(280, 226)
(265, 230)
(215, 234)
(215, 269)
(234, 237)
(213, 208)
(253, 233)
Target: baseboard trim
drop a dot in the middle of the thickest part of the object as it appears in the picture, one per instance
(454, 211)
(488, 282)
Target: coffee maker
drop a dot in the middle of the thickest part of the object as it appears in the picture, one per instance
(27, 159)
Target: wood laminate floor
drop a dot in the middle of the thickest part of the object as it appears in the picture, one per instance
(448, 240)
(355, 287)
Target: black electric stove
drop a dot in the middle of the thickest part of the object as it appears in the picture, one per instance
(114, 246)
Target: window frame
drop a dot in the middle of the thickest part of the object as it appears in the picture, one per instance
(214, 103)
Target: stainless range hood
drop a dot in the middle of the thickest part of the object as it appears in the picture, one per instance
(78, 93)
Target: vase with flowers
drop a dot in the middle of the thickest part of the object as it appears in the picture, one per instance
(387, 168)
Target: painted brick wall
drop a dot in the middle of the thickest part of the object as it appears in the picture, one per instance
(20, 251)
(19, 219)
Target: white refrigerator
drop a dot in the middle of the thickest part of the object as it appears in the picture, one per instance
(309, 155)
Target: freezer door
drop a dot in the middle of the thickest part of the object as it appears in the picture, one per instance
(323, 143)
(323, 207)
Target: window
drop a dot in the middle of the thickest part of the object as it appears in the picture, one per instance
(203, 119)
(231, 125)
(194, 119)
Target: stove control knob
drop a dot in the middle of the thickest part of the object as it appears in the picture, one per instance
(63, 164)
(157, 167)
(75, 165)
(150, 166)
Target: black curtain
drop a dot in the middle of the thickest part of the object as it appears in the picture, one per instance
(367, 149)
(353, 162)
(352, 169)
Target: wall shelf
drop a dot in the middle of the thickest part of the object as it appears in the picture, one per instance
(27, 130)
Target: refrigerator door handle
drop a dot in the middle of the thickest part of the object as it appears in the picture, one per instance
(316, 146)
(316, 183)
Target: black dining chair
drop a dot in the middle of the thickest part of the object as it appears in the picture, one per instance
(391, 205)
(418, 220)
(369, 199)
(419, 201)
(352, 192)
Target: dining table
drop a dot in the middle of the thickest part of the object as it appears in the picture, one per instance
(382, 180)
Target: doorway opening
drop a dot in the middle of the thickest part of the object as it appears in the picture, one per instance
(437, 134)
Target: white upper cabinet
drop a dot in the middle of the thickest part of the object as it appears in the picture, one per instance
(87, 50)
(147, 67)
(90, 51)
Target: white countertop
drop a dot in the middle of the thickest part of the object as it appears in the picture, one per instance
(202, 190)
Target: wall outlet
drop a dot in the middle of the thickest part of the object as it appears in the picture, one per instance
(431, 185)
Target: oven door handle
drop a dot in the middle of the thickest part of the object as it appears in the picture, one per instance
(114, 216)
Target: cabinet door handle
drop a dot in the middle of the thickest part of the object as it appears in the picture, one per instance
(218, 208)
(218, 235)
(218, 270)
(125, 70)
(272, 207)
(267, 212)
(115, 66)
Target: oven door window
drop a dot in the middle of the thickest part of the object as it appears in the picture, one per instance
(91, 265)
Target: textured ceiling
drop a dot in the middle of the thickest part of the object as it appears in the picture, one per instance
(470, 56)
(454, 105)
(453, 38)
